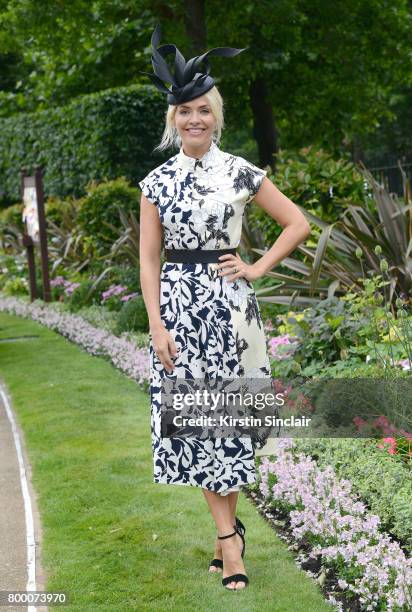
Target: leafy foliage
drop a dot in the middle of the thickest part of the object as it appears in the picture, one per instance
(338, 335)
(350, 249)
(67, 244)
(98, 214)
(85, 294)
(102, 135)
(314, 179)
(133, 316)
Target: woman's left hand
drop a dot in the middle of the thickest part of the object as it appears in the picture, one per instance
(234, 267)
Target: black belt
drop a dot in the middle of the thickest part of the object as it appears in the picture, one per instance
(196, 255)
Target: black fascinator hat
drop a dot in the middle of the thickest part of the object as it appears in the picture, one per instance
(189, 79)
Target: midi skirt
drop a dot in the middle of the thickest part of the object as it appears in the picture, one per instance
(218, 331)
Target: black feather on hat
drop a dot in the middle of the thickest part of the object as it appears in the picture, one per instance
(189, 80)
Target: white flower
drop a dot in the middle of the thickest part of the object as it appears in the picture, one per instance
(199, 217)
(236, 291)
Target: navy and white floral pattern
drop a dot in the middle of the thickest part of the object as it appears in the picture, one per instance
(216, 324)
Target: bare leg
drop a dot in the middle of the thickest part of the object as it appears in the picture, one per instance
(222, 508)
(232, 498)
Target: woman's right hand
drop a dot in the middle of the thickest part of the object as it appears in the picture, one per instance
(164, 346)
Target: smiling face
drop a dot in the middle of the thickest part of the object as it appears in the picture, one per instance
(195, 123)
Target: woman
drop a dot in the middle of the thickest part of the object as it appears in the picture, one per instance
(203, 314)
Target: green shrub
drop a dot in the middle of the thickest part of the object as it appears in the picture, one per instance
(98, 316)
(83, 295)
(327, 333)
(14, 279)
(12, 214)
(133, 316)
(125, 275)
(101, 207)
(337, 257)
(15, 285)
(57, 209)
(313, 179)
(339, 334)
(270, 311)
(15, 264)
(114, 303)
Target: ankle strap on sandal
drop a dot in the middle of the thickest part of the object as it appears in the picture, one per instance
(241, 529)
(227, 536)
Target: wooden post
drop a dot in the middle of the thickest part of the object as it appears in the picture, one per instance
(42, 234)
(29, 241)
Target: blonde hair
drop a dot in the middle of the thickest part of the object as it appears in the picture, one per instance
(171, 137)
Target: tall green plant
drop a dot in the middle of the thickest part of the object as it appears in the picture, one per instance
(126, 247)
(332, 266)
(67, 243)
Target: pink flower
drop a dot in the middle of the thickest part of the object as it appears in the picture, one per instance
(392, 445)
(113, 290)
(70, 287)
(359, 422)
(369, 564)
(126, 298)
(58, 281)
(123, 353)
(280, 341)
(404, 363)
(381, 421)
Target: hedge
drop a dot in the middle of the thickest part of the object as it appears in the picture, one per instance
(106, 134)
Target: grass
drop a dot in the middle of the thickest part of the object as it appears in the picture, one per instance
(113, 539)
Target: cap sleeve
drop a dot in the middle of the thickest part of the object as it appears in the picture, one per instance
(253, 177)
(147, 186)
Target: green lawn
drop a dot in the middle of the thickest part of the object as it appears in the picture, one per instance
(114, 540)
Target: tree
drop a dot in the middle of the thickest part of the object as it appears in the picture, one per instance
(314, 71)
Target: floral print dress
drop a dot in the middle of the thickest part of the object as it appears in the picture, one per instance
(216, 324)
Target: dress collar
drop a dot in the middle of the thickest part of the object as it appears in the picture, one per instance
(211, 158)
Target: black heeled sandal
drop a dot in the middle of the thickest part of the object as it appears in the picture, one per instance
(234, 577)
(241, 530)
(216, 563)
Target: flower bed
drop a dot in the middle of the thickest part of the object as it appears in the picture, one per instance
(383, 481)
(325, 512)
